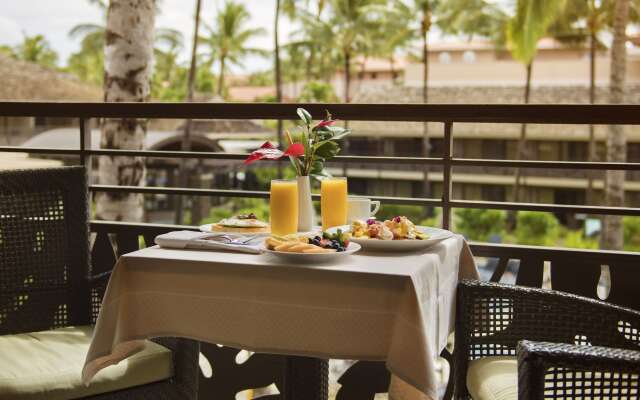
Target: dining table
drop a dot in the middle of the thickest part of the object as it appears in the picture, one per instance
(396, 307)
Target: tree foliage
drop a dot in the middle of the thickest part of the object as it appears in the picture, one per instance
(529, 25)
(35, 49)
(227, 39)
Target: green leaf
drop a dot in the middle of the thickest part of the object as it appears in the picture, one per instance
(342, 134)
(304, 115)
(327, 150)
(529, 25)
(317, 170)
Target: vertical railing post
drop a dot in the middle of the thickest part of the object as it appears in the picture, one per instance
(85, 154)
(85, 145)
(446, 178)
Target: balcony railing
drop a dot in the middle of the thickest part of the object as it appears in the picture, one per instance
(576, 271)
(447, 114)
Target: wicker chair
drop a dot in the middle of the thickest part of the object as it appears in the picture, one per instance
(46, 283)
(575, 347)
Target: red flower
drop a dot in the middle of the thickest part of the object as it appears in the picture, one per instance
(270, 152)
(294, 150)
(326, 122)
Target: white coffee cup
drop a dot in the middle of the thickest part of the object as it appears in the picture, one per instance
(359, 208)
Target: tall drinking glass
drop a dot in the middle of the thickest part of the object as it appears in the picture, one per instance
(283, 204)
(333, 202)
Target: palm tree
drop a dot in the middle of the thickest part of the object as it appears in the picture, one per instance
(531, 22)
(169, 44)
(582, 22)
(227, 39)
(612, 233)
(471, 18)
(36, 49)
(128, 67)
(88, 63)
(349, 23)
(186, 138)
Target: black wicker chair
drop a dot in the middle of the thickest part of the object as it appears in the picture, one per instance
(575, 347)
(45, 271)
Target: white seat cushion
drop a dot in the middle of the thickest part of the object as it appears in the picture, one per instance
(493, 378)
(47, 365)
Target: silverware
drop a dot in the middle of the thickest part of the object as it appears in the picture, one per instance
(233, 240)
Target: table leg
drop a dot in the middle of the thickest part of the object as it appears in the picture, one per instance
(306, 378)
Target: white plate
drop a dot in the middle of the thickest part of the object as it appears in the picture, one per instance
(207, 228)
(314, 257)
(436, 235)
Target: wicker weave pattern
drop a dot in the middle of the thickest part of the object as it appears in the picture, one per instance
(492, 318)
(44, 251)
(45, 273)
(557, 370)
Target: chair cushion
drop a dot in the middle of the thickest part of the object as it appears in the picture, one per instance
(47, 365)
(493, 378)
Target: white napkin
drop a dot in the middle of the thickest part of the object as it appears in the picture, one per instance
(205, 240)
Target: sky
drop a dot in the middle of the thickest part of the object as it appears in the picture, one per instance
(54, 19)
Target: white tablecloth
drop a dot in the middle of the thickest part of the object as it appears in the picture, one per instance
(398, 308)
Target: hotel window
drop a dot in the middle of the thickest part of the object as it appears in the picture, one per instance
(577, 151)
(469, 57)
(494, 149)
(633, 152)
(493, 193)
(444, 58)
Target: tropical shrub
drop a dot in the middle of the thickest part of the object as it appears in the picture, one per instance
(537, 228)
(478, 224)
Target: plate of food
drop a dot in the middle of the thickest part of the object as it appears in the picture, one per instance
(247, 224)
(395, 234)
(311, 247)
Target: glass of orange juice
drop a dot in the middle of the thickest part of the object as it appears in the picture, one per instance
(333, 202)
(283, 204)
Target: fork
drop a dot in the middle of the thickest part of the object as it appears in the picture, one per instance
(231, 240)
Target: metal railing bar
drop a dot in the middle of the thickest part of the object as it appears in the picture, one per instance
(393, 200)
(260, 194)
(40, 150)
(609, 114)
(480, 249)
(242, 156)
(446, 175)
(117, 227)
(458, 162)
(498, 205)
(519, 251)
(211, 155)
(179, 191)
(85, 144)
(473, 162)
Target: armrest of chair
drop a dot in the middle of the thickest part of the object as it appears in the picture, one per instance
(100, 279)
(568, 370)
(491, 318)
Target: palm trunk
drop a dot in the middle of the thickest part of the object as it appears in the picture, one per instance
(347, 99)
(347, 76)
(278, 73)
(392, 67)
(592, 100)
(521, 151)
(186, 139)
(522, 140)
(221, 76)
(612, 233)
(128, 69)
(426, 146)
